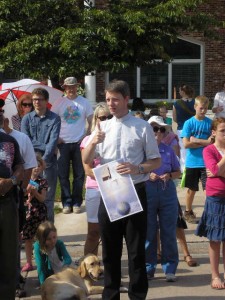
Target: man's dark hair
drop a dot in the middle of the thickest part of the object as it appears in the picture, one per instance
(42, 92)
(118, 86)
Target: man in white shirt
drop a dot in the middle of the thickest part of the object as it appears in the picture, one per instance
(132, 140)
(219, 103)
(74, 111)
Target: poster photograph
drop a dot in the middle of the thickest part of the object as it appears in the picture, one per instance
(117, 191)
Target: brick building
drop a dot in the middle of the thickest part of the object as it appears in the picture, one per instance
(197, 61)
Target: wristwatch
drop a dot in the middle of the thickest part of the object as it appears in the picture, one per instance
(141, 169)
(14, 180)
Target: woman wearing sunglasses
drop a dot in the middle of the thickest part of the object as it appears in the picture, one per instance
(162, 207)
(92, 196)
(24, 105)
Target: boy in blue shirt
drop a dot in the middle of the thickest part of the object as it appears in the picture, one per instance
(196, 135)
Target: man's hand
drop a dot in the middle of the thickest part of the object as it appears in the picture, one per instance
(127, 168)
(5, 185)
(219, 109)
(99, 135)
(60, 141)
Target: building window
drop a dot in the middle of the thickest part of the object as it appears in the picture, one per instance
(161, 81)
(130, 76)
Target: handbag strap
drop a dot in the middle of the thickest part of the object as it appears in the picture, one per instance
(185, 107)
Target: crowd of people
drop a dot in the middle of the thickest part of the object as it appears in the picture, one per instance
(44, 144)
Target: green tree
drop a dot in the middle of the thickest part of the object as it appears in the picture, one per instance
(57, 38)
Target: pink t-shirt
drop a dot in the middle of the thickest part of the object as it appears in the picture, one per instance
(90, 182)
(215, 186)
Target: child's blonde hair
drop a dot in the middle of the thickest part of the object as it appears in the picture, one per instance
(42, 233)
(201, 100)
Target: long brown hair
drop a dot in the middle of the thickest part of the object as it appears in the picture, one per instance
(42, 233)
(188, 90)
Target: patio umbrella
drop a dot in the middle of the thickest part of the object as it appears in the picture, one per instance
(10, 92)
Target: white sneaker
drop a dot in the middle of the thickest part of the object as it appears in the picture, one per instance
(76, 210)
(171, 277)
(66, 210)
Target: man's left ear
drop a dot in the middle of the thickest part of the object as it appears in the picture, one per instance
(127, 99)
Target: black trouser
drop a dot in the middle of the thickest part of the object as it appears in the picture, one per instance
(8, 246)
(133, 229)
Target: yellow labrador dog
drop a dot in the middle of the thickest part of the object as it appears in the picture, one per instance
(74, 284)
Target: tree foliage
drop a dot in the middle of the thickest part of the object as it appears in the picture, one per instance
(59, 38)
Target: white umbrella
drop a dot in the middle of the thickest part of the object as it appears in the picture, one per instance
(10, 92)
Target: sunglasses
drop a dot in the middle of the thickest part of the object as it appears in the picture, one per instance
(27, 104)
(103, 118)
(161, 129)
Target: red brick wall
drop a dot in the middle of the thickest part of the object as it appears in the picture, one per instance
(215, 52)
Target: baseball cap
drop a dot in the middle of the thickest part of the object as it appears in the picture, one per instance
(70, 81)
(158, 120)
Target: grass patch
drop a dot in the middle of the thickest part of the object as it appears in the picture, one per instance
(57, 209)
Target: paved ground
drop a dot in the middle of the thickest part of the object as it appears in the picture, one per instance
(192, 284)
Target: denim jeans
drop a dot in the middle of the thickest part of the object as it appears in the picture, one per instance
(162, 206)
(50, 174)
(70, 153)
(8, 247)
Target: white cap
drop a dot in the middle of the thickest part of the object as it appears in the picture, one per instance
(158, 120)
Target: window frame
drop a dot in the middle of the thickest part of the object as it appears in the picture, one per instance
(200, 61)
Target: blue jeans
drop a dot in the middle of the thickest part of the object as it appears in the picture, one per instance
(50, 174)
(70, 153)
(162, 206)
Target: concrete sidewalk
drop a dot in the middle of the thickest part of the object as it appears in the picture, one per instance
(192, 283)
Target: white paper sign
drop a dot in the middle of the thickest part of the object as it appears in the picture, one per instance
(117, 191)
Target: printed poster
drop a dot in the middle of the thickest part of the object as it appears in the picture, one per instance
(117, 191)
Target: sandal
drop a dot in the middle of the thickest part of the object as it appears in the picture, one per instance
(217, 284)
(190, 261)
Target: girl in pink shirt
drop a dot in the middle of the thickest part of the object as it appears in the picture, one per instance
(212, 222)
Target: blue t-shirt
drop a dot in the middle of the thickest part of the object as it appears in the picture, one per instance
(200, 129)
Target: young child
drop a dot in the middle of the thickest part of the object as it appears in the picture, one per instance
(196, 135)
(36, 209)
(50, 253)
(163, 113)
(211, 224)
